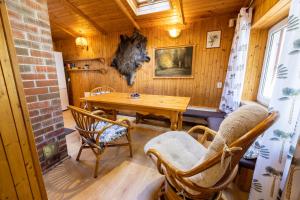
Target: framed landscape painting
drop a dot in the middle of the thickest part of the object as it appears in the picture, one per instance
(174, 62)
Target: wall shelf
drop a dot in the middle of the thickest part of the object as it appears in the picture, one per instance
(82, 70)
(102, 60)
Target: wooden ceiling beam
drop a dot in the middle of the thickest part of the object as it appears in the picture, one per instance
(61, 27)
(76, 10)
(128, 15)
(177, 5)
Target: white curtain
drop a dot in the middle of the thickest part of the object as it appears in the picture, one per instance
(291, 183)
(233, 86)
(281, 139)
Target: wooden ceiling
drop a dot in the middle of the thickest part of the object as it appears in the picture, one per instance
(72, 18)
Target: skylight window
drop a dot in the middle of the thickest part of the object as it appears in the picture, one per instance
(143, 7)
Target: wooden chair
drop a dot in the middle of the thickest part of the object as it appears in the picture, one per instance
(102, 90)
(181, 184)
(112, 114)
(97, 132)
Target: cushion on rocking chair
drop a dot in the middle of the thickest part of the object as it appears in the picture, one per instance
(110, 134)
(178, 148)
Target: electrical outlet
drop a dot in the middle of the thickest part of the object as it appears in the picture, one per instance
(219, 85)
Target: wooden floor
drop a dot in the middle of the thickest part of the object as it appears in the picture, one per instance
(119, 177)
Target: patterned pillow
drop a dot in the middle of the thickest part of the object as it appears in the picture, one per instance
(112, 133)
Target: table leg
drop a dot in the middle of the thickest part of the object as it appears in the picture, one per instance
(137, 118)
(89, 106)
(114, 115)
(180, 119)
(174, 121)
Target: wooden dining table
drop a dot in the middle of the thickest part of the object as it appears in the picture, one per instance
(171, 107)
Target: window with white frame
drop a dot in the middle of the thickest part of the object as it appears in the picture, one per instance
(271, 61)
(143, 7)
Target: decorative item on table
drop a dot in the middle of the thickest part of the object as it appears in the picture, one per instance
(130, 55)
(174, 62)
(135, 95)
(213, 39)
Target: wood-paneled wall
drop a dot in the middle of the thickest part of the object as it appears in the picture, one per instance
(256, 52)
(210, 65)
(96, 48)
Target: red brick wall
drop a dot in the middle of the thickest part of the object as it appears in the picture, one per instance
(32, 38)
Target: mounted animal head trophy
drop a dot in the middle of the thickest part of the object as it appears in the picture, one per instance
(130, 55)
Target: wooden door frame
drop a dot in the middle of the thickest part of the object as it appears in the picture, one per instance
(31, 154)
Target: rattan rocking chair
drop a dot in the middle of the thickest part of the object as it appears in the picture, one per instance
(97, 132)
(180, 184)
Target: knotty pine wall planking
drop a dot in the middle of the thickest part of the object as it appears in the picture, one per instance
(256, 53)
(210, 65)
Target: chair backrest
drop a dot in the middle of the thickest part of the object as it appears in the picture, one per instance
(245, 142)
(102, 90)
(247, 139)
(86, 123)
(187, 178)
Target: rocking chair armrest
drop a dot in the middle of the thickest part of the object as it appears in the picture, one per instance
(125, 121)
(207, 131)
(204, 128)
(180, 173)
(161, 161)
(98, 112)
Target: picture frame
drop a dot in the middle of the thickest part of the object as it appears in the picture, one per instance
(213, 39)
(174, 61)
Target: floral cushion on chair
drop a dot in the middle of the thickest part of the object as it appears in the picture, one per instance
(110, 134)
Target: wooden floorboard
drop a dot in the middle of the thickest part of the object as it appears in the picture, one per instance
(119, 177)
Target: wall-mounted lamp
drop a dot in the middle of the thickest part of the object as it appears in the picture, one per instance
(174, 32)
(81, 42)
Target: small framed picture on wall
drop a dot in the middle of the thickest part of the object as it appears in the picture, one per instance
(213, 39)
